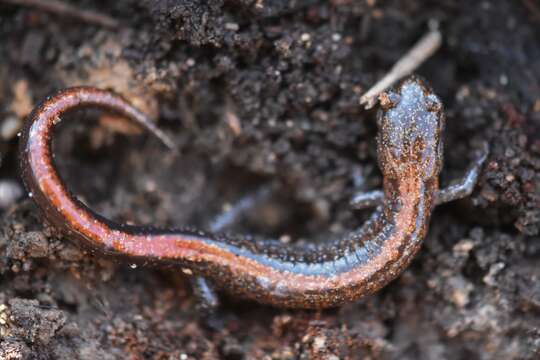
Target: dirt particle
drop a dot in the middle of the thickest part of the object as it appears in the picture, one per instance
(32, 244)
(11, 349)
(22, 103)
(33, 323)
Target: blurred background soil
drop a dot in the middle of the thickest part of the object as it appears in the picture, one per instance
(264, 94)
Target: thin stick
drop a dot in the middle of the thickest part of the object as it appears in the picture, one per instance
(63, 9)
(419, 53)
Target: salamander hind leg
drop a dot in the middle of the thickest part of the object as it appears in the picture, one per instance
(203, 289)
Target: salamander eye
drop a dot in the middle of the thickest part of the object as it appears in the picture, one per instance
(433, 104)
(389, 100)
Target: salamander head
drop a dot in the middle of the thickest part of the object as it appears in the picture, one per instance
(411, 124)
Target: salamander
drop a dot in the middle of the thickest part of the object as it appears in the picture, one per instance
(411, 123)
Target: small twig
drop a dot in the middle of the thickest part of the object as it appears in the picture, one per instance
(63, 9)
(421, 51)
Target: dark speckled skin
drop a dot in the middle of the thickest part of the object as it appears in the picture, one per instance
(410, 156)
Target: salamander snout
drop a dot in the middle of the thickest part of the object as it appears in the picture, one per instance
(411, 123)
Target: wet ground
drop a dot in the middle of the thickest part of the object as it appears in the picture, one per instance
(265, 95)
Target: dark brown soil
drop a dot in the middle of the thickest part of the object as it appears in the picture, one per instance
(264, 93)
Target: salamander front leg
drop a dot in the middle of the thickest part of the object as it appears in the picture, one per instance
(458, 190)
(367, 200)
(464, 187)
